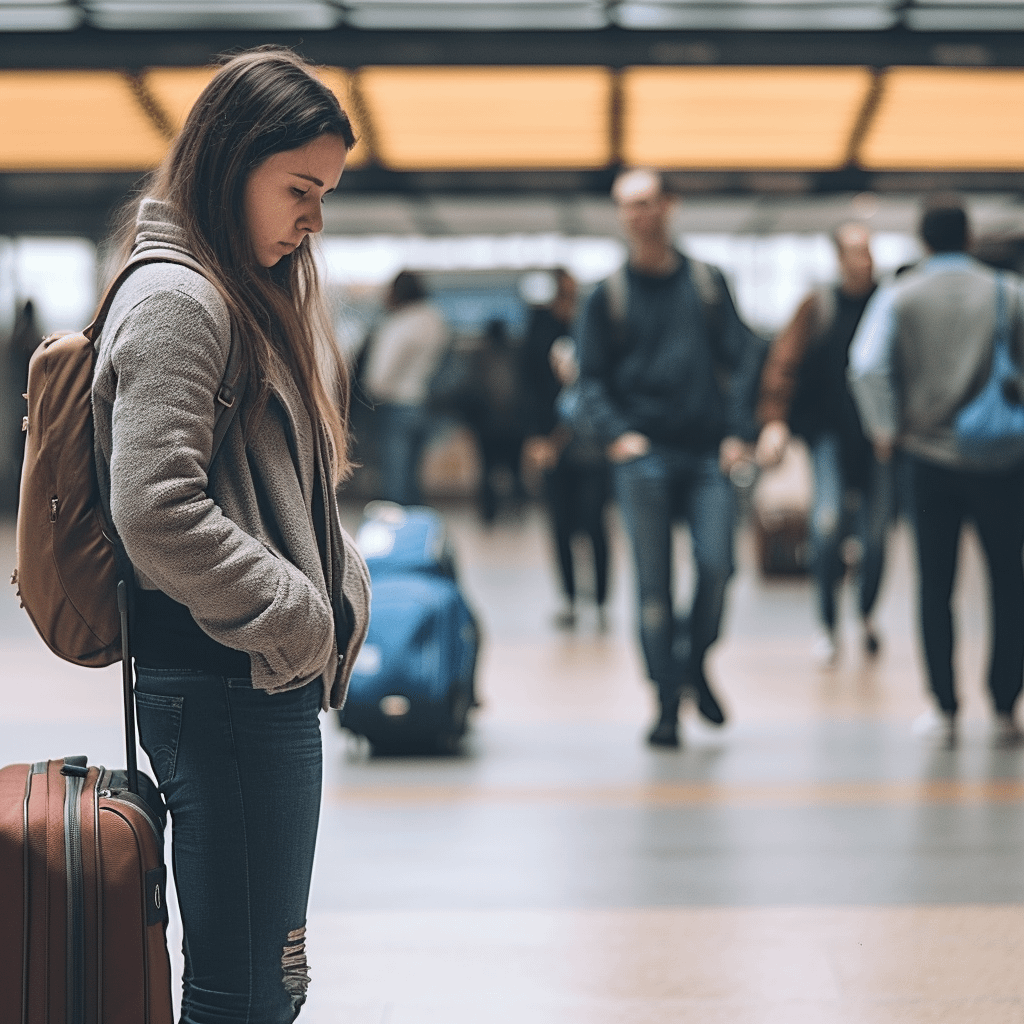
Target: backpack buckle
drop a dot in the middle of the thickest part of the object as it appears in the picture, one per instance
(226, 396)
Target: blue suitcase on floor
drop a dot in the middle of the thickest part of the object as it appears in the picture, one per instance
(413, 684)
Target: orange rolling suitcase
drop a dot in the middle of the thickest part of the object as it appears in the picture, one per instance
(83, 910)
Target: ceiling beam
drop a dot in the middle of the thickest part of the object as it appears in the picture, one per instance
(89, 48)
(85, 203)
(865, 117)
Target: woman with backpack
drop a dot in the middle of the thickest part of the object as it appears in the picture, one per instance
(250, 601)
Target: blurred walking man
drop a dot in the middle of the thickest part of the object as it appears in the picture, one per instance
(925, 349)
(666, 372)
(804, 390)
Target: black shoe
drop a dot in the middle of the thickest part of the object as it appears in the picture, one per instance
(565, 619)
(872, 644)
(707, 705)
(664, 734)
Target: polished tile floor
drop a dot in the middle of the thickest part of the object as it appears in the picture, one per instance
(812, 862)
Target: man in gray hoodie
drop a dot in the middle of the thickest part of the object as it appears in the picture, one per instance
(923, 350)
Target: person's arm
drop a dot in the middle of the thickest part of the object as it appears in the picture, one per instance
(741, 353)
(169, 358)
(539, 417)
(596, 339)
(1015, 298)
(778, 382)
(872, 373)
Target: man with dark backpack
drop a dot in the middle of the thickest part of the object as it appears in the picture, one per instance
(666, 368)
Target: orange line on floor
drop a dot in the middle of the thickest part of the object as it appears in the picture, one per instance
(699, 794)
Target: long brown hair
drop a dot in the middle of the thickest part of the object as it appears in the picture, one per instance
(261, 102)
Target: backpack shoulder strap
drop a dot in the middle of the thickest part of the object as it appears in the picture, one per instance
(178, 256)
(616, 293)
(709, 283)
(825, 308)
(233, 383)
(706, 281)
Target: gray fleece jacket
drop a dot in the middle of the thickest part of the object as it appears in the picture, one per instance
(234, 541)
(923, 349)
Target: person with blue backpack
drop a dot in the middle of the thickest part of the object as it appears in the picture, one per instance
(250, 601)
(934, 367)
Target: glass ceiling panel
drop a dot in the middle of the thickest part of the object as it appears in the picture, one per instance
(799, 15)
(740, 118)
(212, 14)
(948, 119)
(489, 118)
(474, 14)
(39, 17)
(316, 15)
(984, 16)
(83, 120)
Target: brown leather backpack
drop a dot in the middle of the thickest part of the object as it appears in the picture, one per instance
(69, 556)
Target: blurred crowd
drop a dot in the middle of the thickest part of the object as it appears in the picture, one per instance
(652, 392)
(649, 391)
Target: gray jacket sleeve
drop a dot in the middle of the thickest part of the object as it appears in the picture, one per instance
(169, 358)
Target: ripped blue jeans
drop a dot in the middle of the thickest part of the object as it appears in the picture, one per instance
(241, 771)
(653, 491)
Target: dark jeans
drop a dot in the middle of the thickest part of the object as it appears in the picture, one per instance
(241, 772)
(944, 499)
(576, 497)
(831, 524)
(401, 438)
(652, 492)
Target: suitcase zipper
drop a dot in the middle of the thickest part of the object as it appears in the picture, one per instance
(124, 796)
(74, 784)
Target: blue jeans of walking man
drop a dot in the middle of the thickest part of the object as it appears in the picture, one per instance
(831, 522)
(654, 491)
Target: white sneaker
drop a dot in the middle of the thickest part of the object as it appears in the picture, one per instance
(936, 725)
(825, 650)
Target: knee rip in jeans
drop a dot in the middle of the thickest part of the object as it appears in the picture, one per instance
(654, 614)
(295, 967)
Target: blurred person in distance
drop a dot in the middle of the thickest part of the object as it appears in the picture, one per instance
(403, 355)
(922, 351)
(666, 369)
(493, 412)
(804, 391)
(573, 472)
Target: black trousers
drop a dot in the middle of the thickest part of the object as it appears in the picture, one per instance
(944, 499)
(576, 498)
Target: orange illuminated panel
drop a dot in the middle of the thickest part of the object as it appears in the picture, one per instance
(339, 82)
(948, 119)
(489, 118)
(73, 120)
(177, 89)
(741, 118)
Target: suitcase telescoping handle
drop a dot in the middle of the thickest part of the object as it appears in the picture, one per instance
(129, 691)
